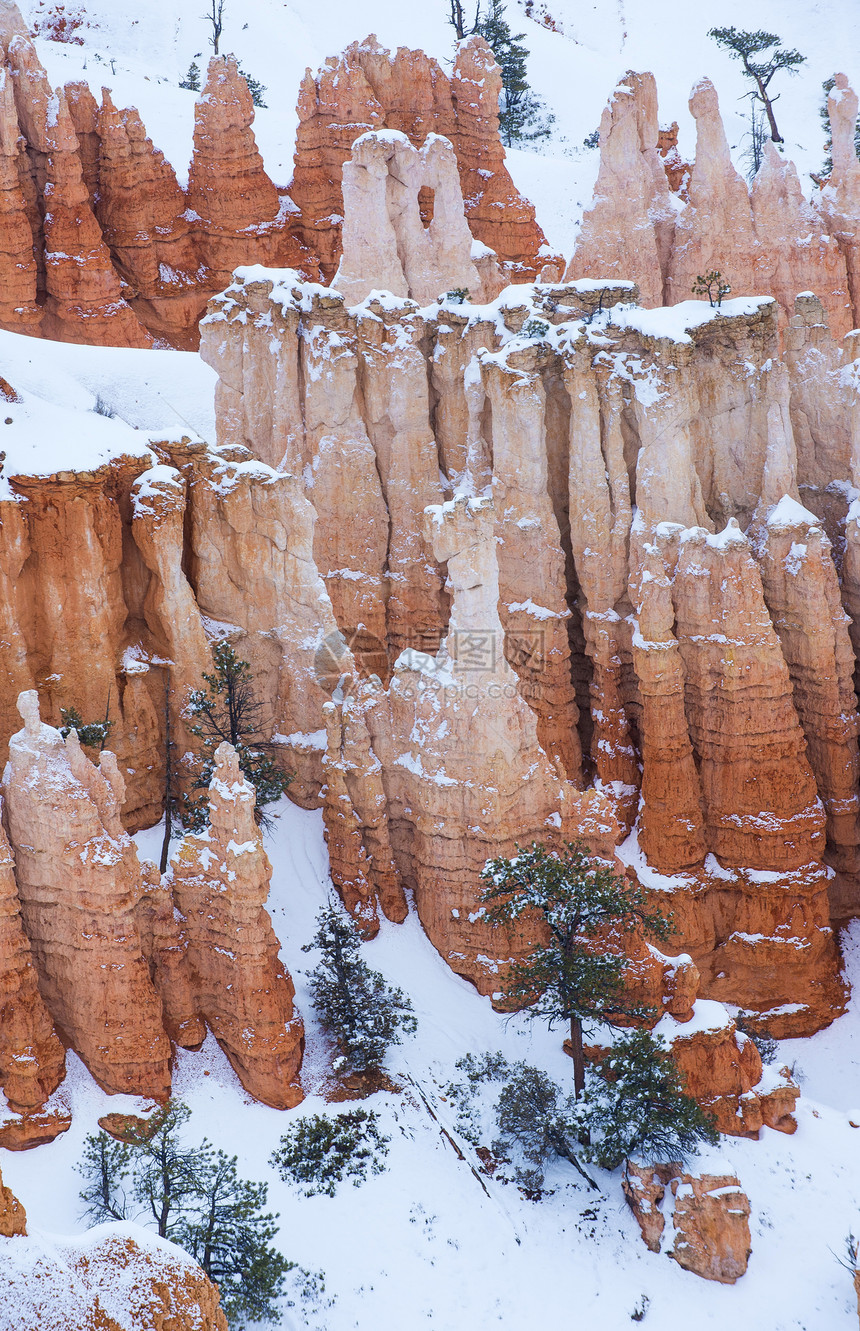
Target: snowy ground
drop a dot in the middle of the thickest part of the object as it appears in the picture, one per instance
(142, 52)
(422, 1245)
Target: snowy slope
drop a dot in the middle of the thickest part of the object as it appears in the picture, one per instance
(141, 53)
(422, 1245)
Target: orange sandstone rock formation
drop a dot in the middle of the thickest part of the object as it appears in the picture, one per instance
(662, 225)
(18, 307)
(117, 1277)
(840, 197)
(32, 1061)
(712, 1232)
(13, 1217)
(83, 295)
(627, 233)
(367, 88)
(220, 881)
(710, 1216)
(614, 449)
(79, 882)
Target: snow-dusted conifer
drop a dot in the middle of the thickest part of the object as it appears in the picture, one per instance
(355, 1005)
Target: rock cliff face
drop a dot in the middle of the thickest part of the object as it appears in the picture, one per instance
(368, 88)
(664, 229)
(385, 243)
(117, 1277)
(710, 1216)
(220, 882)
(13, 1217)
(127, 963)
(79, 879)
(587, 601)
(101, 245)
(32, 1061)
(719, 731)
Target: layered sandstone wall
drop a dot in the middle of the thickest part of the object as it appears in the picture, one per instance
(102, 245)
(127, 964)
(558, 488)
(719, 728)
(662, 228)
(369, 88)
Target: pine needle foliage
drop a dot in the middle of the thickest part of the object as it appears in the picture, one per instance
(230, 709)
(319, 1152)
(522, 116)
(713, 285)
(745, 45)
(105, 1167)
(192, 1196)
(635, 1106)
(91, 733)
(534, 1116)
(573, 977)
(363, 1014)
(192, 79)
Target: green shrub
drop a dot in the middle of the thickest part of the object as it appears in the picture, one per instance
(319, 1152)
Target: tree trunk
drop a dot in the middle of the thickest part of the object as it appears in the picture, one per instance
(771, 118)
(578, 1056)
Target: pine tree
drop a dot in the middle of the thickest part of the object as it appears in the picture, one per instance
(255, 87)
(355, 1005)
(192, 78)
(319, 1152)
(193, 1197)
(635, 1105)
(164, 1172)
(229, 709)
(522, 117)
(533, 1114)
(745, 46)
(572, 977)
(226, 1230)
(91, 733)
(105, 1167)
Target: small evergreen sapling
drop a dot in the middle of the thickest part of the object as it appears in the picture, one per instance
(712, 285)
(319, 1152)
(355, 1005)
(573, 977)
(91, 733)
(635, 1105)
(192, 78)
(229, 709)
